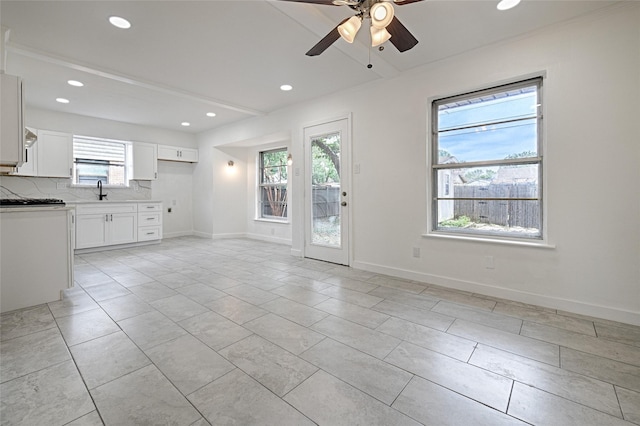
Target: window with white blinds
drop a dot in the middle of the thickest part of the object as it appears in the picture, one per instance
(98, 159)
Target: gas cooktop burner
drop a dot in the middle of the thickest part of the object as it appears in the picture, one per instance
(28, 202)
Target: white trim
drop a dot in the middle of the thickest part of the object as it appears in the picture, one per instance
(569, 305)
(269, 238)
(177, 234)
(230, 235)
(482, 239)
(282, 222)
(116, 247)
(202, 234)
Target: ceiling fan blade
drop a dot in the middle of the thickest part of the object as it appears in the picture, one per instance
(403, 2)
(401, 38)
(327, 41)
(327, 2)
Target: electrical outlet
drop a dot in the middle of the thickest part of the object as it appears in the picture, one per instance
(488, 262)
(62, 185)
(356, 168)
(173, 202)
(416, 252)
(273, 231)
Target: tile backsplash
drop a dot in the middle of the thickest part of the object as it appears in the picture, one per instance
(34, 187)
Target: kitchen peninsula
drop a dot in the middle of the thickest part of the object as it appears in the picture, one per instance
(36, 252)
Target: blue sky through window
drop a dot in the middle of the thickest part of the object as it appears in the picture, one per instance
(485, 127)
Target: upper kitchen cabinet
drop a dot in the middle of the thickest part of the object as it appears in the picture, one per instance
(175, 153)
(145, 161)
(30, 165)
(55, 154)
(12, 118)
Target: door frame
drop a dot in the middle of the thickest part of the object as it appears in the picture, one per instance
(300, 170)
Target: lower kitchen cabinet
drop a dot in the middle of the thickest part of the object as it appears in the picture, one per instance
(149, 221)
(104, 224)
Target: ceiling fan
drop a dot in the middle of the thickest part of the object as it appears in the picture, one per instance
(384, 24)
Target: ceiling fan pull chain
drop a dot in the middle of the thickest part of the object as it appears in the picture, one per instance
(369, 65)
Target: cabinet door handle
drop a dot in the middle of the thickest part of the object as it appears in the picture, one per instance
(151, 218)
(70, 171)
(150, 233)
(111, 218)
(106, 218)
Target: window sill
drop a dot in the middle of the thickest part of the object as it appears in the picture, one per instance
(261, 219)
(489, 240)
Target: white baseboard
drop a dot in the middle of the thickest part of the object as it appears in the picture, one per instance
(178, 234)
(569, 305)
(230, 235)
(269, 239)
(296, 252)
(115, 247)
(202, 234)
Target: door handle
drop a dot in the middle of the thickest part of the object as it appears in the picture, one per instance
(344, 203)
(344, 194)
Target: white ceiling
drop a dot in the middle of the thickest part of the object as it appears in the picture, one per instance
(182, 59)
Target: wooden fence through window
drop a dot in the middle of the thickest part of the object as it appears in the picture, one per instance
(522, 213)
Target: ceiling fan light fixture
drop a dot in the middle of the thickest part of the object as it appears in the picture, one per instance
(349, 29)
(379, 36)
(381, 14)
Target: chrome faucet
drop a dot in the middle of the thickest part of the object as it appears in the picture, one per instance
(101, 196)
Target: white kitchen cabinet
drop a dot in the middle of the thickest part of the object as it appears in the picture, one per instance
(91, 230)
(55, 154)
(176, 153)
(145, 161)
(30, 165)
(12, 117)
(149, 221)
(106, 224)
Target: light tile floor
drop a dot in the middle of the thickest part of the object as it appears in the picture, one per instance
(195, 332)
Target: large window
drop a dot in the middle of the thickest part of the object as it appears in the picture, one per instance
(486, 162)
(272, 184)
(97, 159)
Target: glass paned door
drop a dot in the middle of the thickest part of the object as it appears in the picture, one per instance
(326, 192)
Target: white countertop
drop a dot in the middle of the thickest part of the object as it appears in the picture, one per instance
(110, 201)
(40, 208)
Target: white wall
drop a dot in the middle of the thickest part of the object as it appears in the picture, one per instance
(592, 105)
(175, 180)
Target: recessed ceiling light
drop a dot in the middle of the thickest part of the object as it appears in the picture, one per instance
(75, 83)
(62, 100)
(186, 124)
(119, 22)
(211, 114)
(507, 4)
(286, 87)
